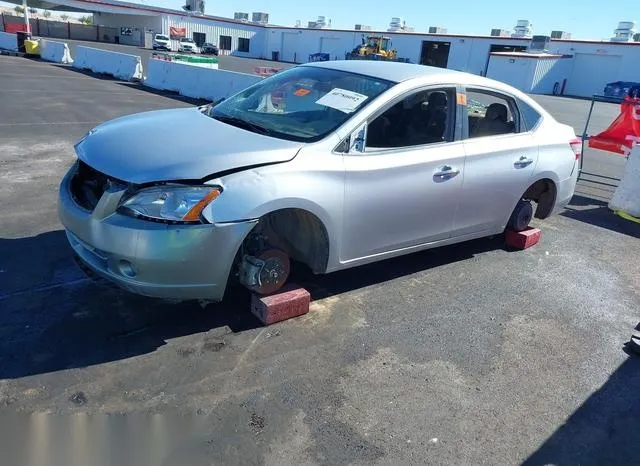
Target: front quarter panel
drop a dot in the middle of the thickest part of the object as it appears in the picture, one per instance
(313, 181)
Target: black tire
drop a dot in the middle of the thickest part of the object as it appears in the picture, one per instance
(521, 216)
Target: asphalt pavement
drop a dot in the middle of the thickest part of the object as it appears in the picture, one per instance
(469, 354)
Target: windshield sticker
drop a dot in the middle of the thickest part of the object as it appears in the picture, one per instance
(302, 92)
(341, 99)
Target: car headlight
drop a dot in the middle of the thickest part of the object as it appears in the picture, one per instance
(171, 203)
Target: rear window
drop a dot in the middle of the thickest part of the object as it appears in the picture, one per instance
(530, 116)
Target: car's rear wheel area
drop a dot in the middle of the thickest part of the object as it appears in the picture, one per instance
(521, 216)
(542, 193)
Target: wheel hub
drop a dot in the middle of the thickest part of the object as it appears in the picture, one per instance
(265, 273)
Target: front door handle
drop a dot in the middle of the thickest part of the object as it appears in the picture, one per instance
(446, 172)
(523, 162)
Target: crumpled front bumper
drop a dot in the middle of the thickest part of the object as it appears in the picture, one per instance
(152, 259)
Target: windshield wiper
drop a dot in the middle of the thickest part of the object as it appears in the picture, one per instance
(240, 123)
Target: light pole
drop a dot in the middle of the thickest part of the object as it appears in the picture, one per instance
(26, 15)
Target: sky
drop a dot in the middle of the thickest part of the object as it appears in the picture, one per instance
(585, 19)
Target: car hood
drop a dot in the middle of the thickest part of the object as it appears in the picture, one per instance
(173, 145)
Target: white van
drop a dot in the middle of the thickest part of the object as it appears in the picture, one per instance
(161, 42)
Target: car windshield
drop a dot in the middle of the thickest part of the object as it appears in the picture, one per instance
(304, 103)
(159, 37)
(189, 41)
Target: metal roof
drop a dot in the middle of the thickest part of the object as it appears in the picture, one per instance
(122, 7)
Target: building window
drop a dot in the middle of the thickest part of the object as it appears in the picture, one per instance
(225, 43)
(243, 44)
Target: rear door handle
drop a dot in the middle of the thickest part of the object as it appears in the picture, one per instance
(523, 162)
(446, 172)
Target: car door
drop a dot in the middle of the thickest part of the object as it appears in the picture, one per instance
(402, 190)
(501, 156)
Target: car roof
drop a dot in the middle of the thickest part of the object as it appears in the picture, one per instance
(398, 72)
(390, 71)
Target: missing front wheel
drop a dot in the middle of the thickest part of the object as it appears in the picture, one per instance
(266, 272)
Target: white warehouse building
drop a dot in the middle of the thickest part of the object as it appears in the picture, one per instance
(571, 66)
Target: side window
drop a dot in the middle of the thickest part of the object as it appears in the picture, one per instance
(425, 117)
(530, 115)
(490, 114)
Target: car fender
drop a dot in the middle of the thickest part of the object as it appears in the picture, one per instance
(250, 194)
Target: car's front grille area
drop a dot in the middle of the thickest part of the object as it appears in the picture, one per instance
(88, 185)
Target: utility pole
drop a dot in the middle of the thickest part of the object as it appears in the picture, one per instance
(26, 15)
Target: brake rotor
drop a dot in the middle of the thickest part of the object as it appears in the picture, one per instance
(274, 273)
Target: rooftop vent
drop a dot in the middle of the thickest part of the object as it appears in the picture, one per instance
(396, 24)
(625, 31)
(523, 29)
(258, 17)
(540, 44)
(500, 33)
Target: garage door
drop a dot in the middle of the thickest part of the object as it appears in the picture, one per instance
(289, 46)
(331, 45)
(511, 70)
(591, 72)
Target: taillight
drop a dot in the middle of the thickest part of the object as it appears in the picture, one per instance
(576, 147)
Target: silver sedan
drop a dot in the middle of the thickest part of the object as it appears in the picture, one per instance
(330, 165)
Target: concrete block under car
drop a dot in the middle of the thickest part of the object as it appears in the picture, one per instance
(291, 301)
(523, 239)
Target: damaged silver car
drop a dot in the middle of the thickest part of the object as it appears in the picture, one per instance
(331, 165)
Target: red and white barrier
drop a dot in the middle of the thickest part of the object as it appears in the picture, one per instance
(626, 198)
(266, 71)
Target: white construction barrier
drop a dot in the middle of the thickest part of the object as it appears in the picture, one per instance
(120, 65)
(54, 51)
(626, 198)
(196, 81)
(8, 41)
